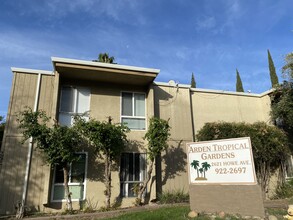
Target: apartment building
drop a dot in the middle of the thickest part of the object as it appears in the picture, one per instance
(129, 95)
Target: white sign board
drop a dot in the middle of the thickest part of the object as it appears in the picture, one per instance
(228, 161)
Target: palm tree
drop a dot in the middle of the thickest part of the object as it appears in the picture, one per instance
(205, 167)
(195, 165)
(105, 58)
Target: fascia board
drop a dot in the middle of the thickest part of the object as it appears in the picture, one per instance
(106, 65)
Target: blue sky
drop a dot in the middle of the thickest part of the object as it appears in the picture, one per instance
(210, 38)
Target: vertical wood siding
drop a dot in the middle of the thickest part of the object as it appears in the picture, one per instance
(14, 162)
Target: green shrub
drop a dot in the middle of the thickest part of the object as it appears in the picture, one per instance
(269, 145)
(285, 191)
(174, 196)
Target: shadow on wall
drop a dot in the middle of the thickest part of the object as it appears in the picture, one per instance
(162, 98)
(175, 163)
(96, 167)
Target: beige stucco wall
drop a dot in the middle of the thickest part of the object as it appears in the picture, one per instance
(215, 107)
(188, 111)
(173, 104)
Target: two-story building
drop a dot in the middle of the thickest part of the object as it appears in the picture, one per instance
(129, 95)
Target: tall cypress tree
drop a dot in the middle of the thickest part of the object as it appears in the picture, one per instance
(273, 75)
(239, 86)
(193, 83)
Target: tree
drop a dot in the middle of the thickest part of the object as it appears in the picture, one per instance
(239, 86)
(58, 143)
(108, 139)
(193, 83)
(105, 58)
(2, 127)
(282, 100)
(157, 136)
(195, 165)
(287, 69)
(273, 75)
(269, 145)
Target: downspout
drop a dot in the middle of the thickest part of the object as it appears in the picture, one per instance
(29, 154)
(191, 114)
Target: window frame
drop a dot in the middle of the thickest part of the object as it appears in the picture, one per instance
(133, 104)
(141, 172)
(75, 103)
(71, 184)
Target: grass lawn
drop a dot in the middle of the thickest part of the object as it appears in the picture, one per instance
(181, 212)
(174, 213)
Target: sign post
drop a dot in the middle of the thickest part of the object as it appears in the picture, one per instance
(222, 177)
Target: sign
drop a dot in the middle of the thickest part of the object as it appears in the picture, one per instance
(228, 161)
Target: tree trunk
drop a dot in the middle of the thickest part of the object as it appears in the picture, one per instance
(66, 187)
(263, 177)
(108, 180)
(144, 186)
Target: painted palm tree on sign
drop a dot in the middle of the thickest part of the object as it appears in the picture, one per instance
(205, 167)
(201, 171)
(195, 165)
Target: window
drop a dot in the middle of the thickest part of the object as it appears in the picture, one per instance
(73, 101)
(132, 173)
(77, 175)
(133, 110)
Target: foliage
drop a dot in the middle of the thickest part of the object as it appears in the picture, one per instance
(288, 67)
(89, 206)
(269, 144)
(174, 196)
(157, 136)
(285, 191)
(2, 127)
(106, 138)
(239, 86)
(282, 102)
(58, 143)
(278, 212)
(273, 74)
(105, 58)
(192, 83)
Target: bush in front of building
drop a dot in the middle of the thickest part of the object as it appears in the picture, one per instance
(285, 191)
(269, 146)
(173, 196)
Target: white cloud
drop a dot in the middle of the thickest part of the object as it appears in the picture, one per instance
(205, 23)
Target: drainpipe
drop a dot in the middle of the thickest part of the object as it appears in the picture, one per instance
(29, 155)
(191, 114)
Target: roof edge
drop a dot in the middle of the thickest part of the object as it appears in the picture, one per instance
(32, 71)
(107, 65)
(171, 85)
(214, 91)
